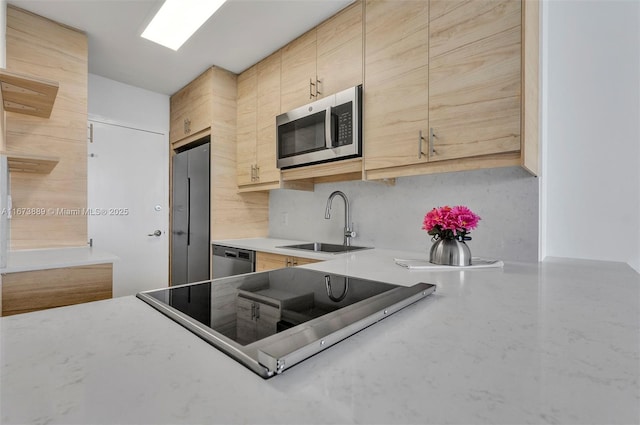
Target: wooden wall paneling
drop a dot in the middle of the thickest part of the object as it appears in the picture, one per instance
(42, 289)
(3, 138)
(42, 48)
(233, 214)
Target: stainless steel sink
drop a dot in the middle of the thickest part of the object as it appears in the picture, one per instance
(325, 247)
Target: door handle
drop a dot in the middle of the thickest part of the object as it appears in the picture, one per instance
(157, 233)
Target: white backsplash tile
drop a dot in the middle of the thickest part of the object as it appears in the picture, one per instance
(391, 216)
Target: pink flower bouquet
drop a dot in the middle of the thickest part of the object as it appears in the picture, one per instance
(450, 223)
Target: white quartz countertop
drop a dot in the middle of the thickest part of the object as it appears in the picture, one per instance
(556, 342)
(54, 258)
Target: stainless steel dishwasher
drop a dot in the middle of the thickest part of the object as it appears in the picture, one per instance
(228, 261)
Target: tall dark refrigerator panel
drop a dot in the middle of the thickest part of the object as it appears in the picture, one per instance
(191, 216)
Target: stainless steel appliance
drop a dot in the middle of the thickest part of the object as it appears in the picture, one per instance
(228, 261)
(272, 320)
(328, 129)
(190, 215)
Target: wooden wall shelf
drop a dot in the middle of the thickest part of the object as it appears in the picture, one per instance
(27, 95)
(37, 164)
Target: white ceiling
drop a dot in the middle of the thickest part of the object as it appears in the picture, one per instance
(240, 34)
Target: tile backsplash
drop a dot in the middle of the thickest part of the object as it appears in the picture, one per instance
(391, 216)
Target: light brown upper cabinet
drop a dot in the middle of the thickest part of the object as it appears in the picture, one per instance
(191, 109)
(268, 108)
(396, 82)
(258, 106)
(323, 61)
(474, 78)
(246, 126)
(442, 86)
(339, 51)
(298, 72)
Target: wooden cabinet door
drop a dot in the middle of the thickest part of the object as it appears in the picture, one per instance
(396, 83)
(474, 77)
(42, 289)
(191, 108)
(255, 320)
(267, 321)
(298, 68)
(245, 325)
(268, 261)
(268, 71)
(246, 126)
(339, 51)
(300, 261)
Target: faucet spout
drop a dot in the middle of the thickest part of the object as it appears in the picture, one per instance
(348, 231)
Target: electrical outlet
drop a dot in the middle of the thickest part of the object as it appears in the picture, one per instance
(285, 218)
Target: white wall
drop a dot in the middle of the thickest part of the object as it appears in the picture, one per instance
(117, 103)
(590, 194)
(391, 216)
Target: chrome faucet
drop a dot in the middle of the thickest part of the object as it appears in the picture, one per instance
(348, 231)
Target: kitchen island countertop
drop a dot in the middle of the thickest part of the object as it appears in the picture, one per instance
(551, 342)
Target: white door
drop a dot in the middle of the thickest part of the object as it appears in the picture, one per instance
(128, 198)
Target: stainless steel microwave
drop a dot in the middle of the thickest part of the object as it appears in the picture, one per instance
(328, 129)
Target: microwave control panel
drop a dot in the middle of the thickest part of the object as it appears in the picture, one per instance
(343, 124)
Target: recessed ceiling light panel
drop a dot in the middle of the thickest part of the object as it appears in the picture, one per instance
(177, 20)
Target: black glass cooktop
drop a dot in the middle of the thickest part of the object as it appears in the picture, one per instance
(246, 315)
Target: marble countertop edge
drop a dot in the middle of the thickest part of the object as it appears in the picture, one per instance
(54, 258)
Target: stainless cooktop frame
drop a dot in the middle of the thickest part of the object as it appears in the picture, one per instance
(274, 354)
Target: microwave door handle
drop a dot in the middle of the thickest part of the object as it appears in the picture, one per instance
(328, 129)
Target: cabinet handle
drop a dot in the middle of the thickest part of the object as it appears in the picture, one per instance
(257, 310)
(432, 135)
(295, 263)
(187, 126)
(311, 87)
(253, 176)
(318, 92)
(288, 262)
(257, 173)
(420, 139)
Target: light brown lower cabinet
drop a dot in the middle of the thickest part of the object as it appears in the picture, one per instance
(268, 261)
(255, 320)
(42, 289)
